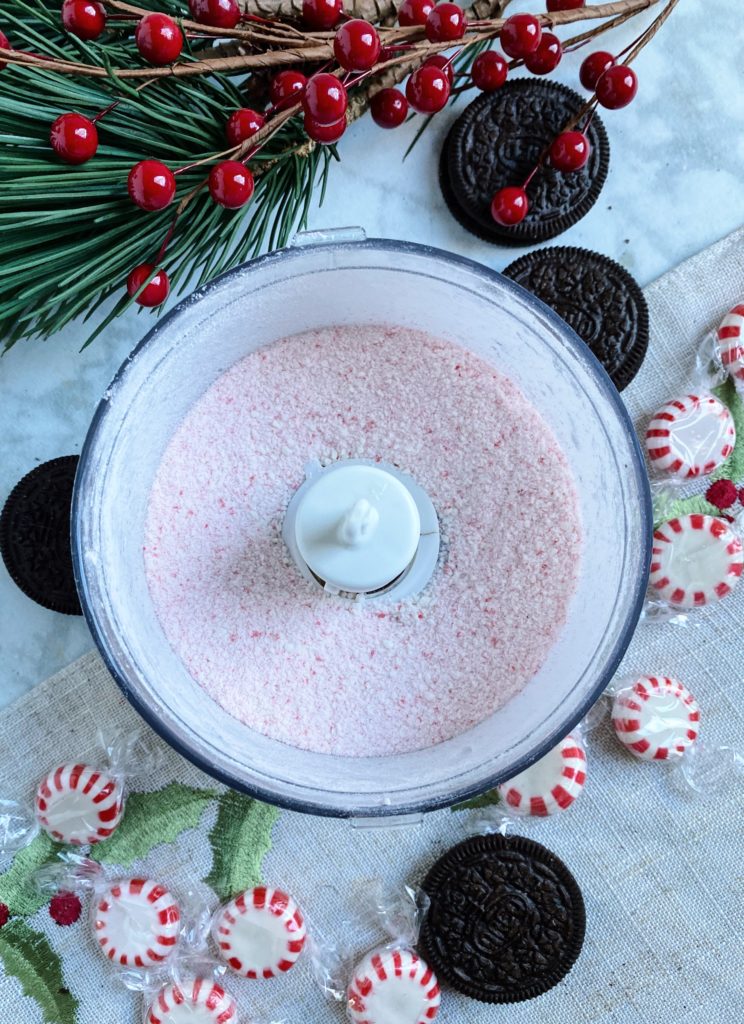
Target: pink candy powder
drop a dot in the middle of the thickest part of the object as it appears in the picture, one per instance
(321, 672)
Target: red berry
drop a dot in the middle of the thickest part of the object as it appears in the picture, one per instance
(74, 138)
(325, 99)
(230, 184)
(357, 45)
(564, 5)
(326, 134)
(83, 19)
(65, 908)
(286, 88)
(218, 13)
(428, 89)
(4, 914)
(509, 206)
(617, 87)
(446, 23)
(489, 71)
(5, 44)
(443, 63)
(414, 12)
(389, 108)
(322, 13)
(722, 493)
(546, 57)
(155, 292)
(158, 39)
(569, 151)
(593, 67)
(151, 185)
(242, 124)
(520, 35)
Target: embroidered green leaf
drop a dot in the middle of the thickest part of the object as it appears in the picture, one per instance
(684, 507)
(240, 840)
(17, 888)
(485, 800)
(151, 819)
(26, 955)
(733, 467)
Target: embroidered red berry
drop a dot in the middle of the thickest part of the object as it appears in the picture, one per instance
(509, 206)
(489, 71)
(446, 23)
(4, 914)
(617, 87)
(414, 12)
(357, 45)
(152, 294)
(520, 35)
(722, 493)
(242, 124)
(159, 39)
(389, 108)
(546, 57)
(321, 13)
(65, 908)
(217, 13)
(593, 67)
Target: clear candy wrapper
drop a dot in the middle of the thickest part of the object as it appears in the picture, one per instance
(657, 718)
(377, 975)
(77, 803)
(697, 556)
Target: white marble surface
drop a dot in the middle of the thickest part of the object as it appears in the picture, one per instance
(675, 186)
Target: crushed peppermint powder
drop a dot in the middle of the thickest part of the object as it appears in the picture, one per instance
(320, 672)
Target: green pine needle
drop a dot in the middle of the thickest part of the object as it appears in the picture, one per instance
(71, 234)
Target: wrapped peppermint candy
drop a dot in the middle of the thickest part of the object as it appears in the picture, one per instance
(657, 719)
(692, 435)
(79, 803)
(696, 560)
(730, 339)
(260, 933)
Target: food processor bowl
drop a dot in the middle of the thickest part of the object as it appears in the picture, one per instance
(341, 282)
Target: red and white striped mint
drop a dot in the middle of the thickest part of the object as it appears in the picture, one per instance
(195, 1000)
(730, 336)
(393, 986)
(695, 560)
(261, 933)
(78, 804)
(691, 435)
(656, 718)
(136, 922)
(550, 785)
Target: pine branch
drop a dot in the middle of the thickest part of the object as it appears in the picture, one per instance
(71, 234)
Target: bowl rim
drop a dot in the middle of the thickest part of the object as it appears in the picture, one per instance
(308, 806)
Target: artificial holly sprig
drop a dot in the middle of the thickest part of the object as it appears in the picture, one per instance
(68, 248)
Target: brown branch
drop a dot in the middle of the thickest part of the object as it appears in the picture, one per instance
(319, 49)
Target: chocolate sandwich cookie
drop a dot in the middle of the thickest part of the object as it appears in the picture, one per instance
(35, 535)
(506, 920)
(597, 297)
(498, 140)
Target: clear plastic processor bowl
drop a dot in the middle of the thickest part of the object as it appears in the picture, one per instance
(351, 282)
